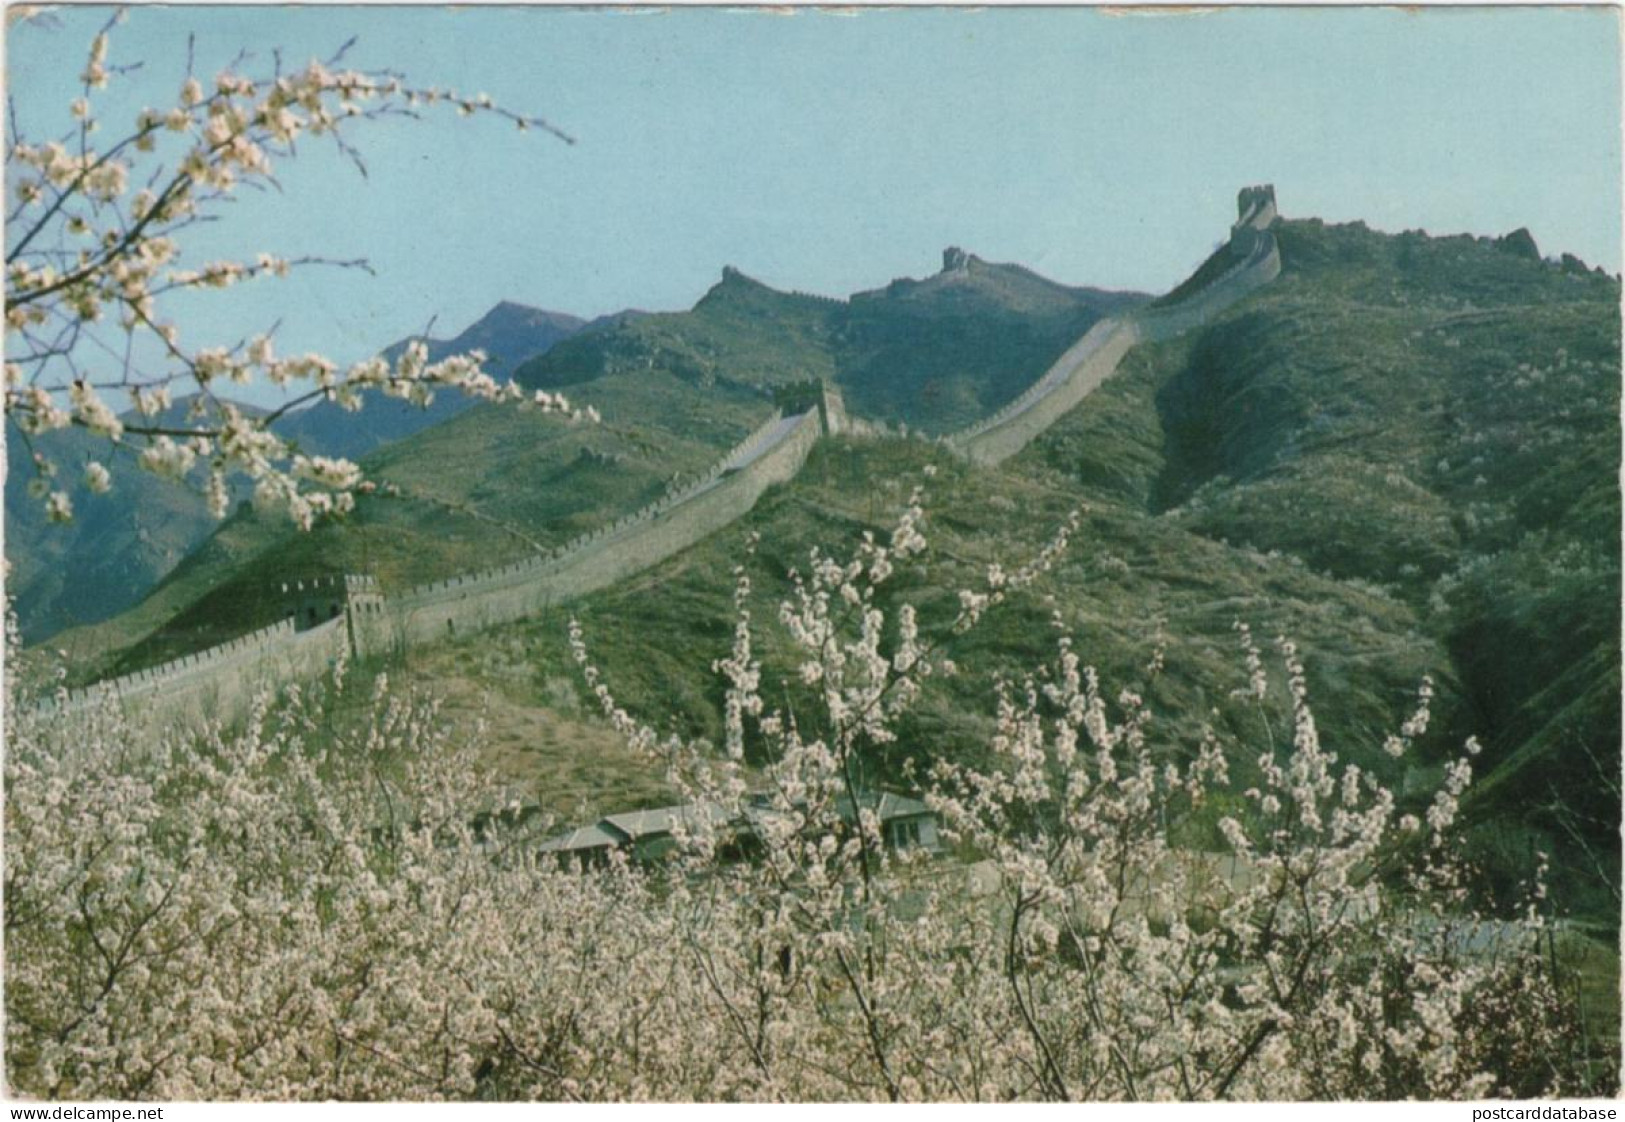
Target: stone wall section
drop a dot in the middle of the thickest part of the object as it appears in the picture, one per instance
(219, 682)
(1095, 357)
(1078, 373)
(463, 605)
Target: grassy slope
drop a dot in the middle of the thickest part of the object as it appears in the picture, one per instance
(674, 387)
(1438, 417)
(741, 333)
(944, 352)
(657, 633)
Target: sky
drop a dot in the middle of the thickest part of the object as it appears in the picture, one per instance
(832, 151)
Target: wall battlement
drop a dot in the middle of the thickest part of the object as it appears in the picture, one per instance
(327, 618)
(1255, 207)
(834, 301)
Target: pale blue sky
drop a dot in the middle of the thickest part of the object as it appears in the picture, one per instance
(832, 152)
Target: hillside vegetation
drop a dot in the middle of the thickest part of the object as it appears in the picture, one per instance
(491, 485)
(1402, 455)
(486, 486)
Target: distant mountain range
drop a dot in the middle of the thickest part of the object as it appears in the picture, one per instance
(485, 483)
(120, 545)
(509, 334)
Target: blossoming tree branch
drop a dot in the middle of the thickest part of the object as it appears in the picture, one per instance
(89, 262)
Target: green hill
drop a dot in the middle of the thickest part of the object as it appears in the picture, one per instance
(741, 334)
(1437, 417)
(491, 485)
(487, 485)
(934, 354)
(1403, 454)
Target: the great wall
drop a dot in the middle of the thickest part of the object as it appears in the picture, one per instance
(338, 617)
(1094, 358)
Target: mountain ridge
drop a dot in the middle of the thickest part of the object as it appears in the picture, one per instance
(934, 353)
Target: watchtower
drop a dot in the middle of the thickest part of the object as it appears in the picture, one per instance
(1255, 213)
(1261, 198)
(814, 393)
(313, 601)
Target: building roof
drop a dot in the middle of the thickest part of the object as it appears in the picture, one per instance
(586, 837)
(661, 821)
(664, 819)
(887, 806)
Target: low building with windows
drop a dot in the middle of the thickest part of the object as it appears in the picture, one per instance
(906, 823)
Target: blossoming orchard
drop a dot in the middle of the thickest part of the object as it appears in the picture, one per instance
(271, 913)
(888, 826)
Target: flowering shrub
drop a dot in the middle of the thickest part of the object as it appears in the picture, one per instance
(288, 912)
(88, 264)
(1328, 951)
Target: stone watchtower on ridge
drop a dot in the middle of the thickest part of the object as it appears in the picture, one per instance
(1255, 213)
(313, 601)
(1261, 196)
(814, 393)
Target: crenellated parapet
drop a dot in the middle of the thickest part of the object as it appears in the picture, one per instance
(308, 601)
(214, 684)
(818, 297)
(459, 606)
(1255, 206)
(326, 618)
(815, 394)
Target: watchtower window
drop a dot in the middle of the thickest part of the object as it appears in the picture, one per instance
(332, 611)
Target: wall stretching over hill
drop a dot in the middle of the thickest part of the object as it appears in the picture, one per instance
(358, 620)
(465, 604)
(219, 683)
(1095, 357)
